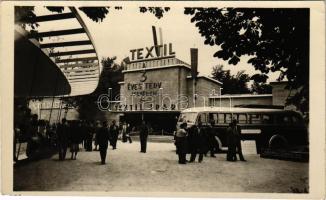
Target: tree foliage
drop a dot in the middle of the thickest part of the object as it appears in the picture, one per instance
(157, 11)
(232, 84)
(25, 15)
(276, 40)
(261, 88)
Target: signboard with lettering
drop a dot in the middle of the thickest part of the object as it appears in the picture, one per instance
(149, 52)
(144, 89)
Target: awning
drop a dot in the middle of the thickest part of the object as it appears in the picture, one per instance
(64, 63)
(35, 74)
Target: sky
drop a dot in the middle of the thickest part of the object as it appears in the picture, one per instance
(126, 29)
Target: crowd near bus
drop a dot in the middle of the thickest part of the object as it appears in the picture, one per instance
(214, 129)
(199, 131)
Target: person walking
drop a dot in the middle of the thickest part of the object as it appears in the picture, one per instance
(143, 134)
(74, 139)
(83, 132)
(89, 136)
(181, 143)
(103, 137)
(114, 132)
(124, 132)
(128, 131)
(62, 138)
(96, 127)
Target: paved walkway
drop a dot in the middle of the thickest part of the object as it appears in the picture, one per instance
(158, 171)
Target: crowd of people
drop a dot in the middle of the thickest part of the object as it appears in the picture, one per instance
(197, 140)
(71, 135)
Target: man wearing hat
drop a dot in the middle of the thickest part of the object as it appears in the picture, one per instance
(237, 132)
(103, 137)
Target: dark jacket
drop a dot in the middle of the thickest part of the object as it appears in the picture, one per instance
(114, 131)
(103, 137)
(63, 134)
(233, 135)
(196, 139)
(143, 131)
(75, 133)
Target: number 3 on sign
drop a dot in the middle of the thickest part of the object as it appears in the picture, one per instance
(143, 76)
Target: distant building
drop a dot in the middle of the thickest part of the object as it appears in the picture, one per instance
(52, 110)
(280, 93)
(157, 90)
(275, 100)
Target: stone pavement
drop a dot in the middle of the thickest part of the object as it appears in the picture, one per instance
(158, 171)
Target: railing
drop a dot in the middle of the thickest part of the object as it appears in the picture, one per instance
(155, 63)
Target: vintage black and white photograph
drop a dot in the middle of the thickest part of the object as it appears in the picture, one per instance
(164, 98)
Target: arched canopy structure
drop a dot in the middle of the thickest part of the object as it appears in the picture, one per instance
(70, 64)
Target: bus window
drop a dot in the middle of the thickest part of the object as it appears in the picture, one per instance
(188, 117)
(267, 119)
(202, 118)
(221, 118)
(242, 118)
(228, 118)
(213, 118)
(254, 119)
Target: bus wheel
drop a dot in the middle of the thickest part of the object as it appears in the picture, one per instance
(277, 142)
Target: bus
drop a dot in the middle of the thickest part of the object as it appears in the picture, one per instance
(269, 128)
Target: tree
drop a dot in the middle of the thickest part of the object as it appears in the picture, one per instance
(261, 88)
(157, 11)
(277, 40)
(232, 84)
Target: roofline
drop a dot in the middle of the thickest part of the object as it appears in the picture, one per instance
(240, 96)
(273, 82)
(209, 78)
(146, 111)
(154, 68)
(232, 109)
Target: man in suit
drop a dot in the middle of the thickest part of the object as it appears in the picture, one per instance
(210, 139)
(114, 132)
(196, 140)
(234, 142)
(237, 132)
(143, 134)
(103, 137)
(63, 138)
